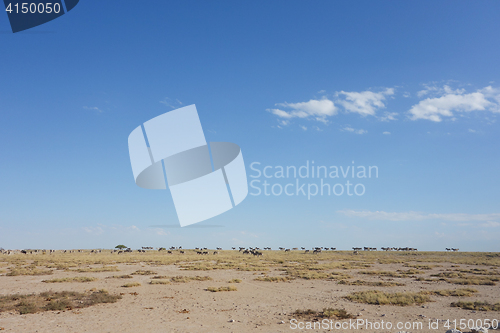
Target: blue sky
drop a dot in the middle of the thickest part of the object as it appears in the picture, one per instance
(410, 87)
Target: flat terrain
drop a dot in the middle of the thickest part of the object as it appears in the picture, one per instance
(235, 292)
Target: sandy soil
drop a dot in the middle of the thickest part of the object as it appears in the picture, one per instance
(256, 306)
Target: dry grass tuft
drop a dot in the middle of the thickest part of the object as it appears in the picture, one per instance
(143, 272)
(184, 279)
(370, 283)
(477, 306)
(397, 274)
(326, 313)
(382, 298)
(417, 266)
(120, 277)
(131, 284)
(54, 301)
(274, 278)
(234, 281)
(466, 292)
(97, 269)
(228, 288)
(464, 279)
(71, 279)
(28, 270)
(159, 282)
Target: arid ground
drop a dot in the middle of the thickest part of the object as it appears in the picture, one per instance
(235, 292)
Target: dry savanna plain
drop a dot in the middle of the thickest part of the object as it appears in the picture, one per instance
(294, 291)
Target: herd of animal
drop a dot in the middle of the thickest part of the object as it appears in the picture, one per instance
(205, 251)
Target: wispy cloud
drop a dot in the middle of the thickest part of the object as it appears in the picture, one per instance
(95, 108)
(113, 229)
(452, 101)
(387, 133)
(388, 116)
(313, 109)
(417, 216)
(365, 103)
(353, 130)
(171, 103)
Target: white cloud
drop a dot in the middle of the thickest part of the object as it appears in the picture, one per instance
(387, 133)
(174, 104)
(95, 108)
(389, 116)
(472, 131)
(416, 216)
(352, 130)
(451, 101)
(304, 128)
(366, 103)
(491, 224)
(406, 94)
(313, 109)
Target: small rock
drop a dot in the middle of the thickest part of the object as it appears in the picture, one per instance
(453, 331)
(479, 330)
(231, 321)
(281, 322)
(360, 314)
(383, 315)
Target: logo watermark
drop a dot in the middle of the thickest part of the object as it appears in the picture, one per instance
(205, 180)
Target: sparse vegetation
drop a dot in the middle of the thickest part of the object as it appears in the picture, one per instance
(54, 301)
(98, 269)
(184, 279)
(477, 306)
(371, 283)
(228, 288)
(397, 274)
(28, 270)
(71, 279)
(120, 277)
(452, 292)
(234, 281)
(143, 272)
(383, 298)
(326, 313)
(131, 284)
(159, 282)
(274, 278)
